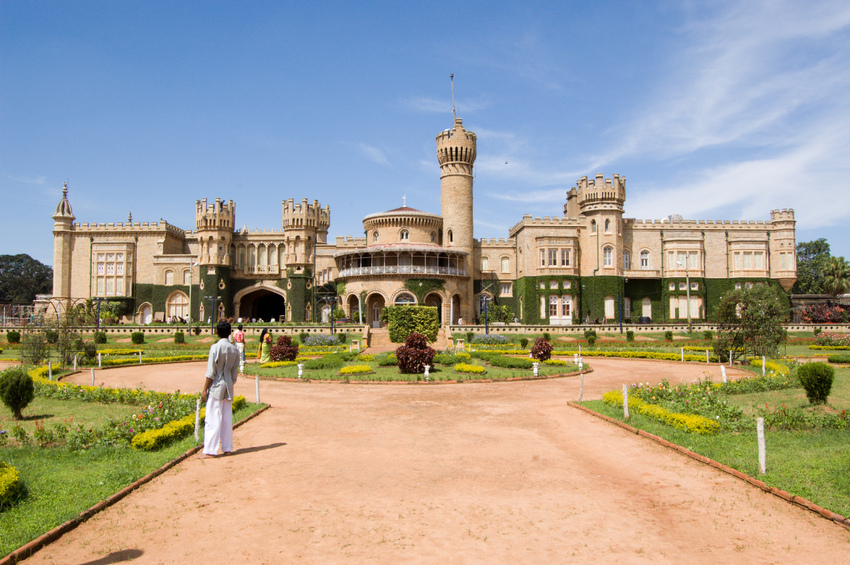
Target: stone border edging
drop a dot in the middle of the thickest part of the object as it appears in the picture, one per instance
(40, 542)
(793, 499)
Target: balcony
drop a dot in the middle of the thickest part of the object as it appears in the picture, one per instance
(403, 270)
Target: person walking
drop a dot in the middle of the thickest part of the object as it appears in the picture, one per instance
(222, 372)
(264, 352)
(239, 340)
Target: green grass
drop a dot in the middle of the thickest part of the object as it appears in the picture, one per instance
(812, 464)
(50, 411)
(62, 483)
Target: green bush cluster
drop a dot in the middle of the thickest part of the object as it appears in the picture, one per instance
(630, 336)
(100, 337)
(668, 336)
(523, 342)
(450, 358)
(13, 336)
(333, 361)
(816, 379)
(179, 337)
(137, 337)
(388, 360)
(405, 320)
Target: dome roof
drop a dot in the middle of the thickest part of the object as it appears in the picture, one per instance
(63, 209)
(403, 211)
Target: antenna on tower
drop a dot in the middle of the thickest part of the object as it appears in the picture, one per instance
(454, 114)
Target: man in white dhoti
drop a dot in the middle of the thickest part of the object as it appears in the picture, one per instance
(222, 372)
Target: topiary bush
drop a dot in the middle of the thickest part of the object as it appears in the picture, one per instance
(284, 350)
(589, 332)
(630, 336)
(13, 336)
(523, 342)
(542, 349)
(414, 354)
(326, 362)
(388, 360)
(16, 390)
(591, 340)
(817, 381)
(342, 337)
(548, 337)
(179, 337)
(668, 336)
(302, 337)
(707, 335)
(100, 337)
(137, 337)
(469, 336)
(89, 351)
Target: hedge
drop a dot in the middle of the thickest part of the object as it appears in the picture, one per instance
(12, 489)
(686, 422)
(176, 429)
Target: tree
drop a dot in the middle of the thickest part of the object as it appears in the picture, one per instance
(16, 390)
(749, 323)
(22, 277)
(811, 260)
(836, 276)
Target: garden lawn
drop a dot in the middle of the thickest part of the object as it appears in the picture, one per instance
(814, 464)
(62, 483)
(49, 411)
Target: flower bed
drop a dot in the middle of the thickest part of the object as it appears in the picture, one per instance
(355, 370)
(11, 486)
(467, 368)
(273, 364)
(691, 423)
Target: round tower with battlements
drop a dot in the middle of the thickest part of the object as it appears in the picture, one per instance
(456, 152)
(63, 227)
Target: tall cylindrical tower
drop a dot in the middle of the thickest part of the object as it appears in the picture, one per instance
(63, 232)
(456, 151)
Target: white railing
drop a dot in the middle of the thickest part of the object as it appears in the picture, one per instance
(403, 269)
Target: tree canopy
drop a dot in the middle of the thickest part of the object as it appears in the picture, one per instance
(749, 323)
(22, 277)
(836, 276)
(812, 257)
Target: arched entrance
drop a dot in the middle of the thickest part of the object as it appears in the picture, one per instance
(374, 307)
(261, 303)
(353, 308)
(146, 314)
(456, 308)
(436, 301)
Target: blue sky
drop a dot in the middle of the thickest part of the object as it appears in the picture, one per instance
(712, 110)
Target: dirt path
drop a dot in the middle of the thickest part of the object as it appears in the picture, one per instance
(472, 473)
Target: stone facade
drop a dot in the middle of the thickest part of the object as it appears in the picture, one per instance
(591, 264)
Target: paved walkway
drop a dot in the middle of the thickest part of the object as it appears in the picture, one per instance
(471, 473)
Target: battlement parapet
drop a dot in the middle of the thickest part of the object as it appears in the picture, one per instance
(593, 192)
(215, 216)
(456, 145)
(114, 227)
(349, 240)
(784, 214)
(495, 242)
(305, 215)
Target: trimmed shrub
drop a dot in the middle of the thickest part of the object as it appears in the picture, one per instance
(491, 339)
(591, 340)
(341, 337)
(450, 358)
(404, 320)
(414, 354)
(510, 362)
(469, 336)
(52, 336)
(100, 337)
(548, 337)
(13, 336)
(179, 337)
(816, 332)
(16, 390)
(542, 349)
(284, 350)
(589, 332)
(137, 337)
(668, 336)
(89, 350)
(838, 358)
(707, 335)
(523, 342)
(12, 489)
(630, 336)
(302, 337)
(334, 361)
(388, 360)
(816, 379)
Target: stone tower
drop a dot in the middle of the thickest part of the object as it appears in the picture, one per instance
(305, 225)
(63, 225)
(456, 152)
(214, 224)
(600, 201)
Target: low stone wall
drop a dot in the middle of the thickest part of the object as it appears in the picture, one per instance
(615, 328)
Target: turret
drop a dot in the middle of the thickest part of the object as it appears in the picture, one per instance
(305, 225)
(214, 223)
(63, 227)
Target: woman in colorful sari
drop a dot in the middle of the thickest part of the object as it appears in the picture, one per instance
(265, 349)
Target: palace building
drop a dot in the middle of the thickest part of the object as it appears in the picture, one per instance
(589, 264)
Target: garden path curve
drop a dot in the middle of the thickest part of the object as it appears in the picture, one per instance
(457, 473)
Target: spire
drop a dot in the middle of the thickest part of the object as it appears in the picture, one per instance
(454, 113)
(63, 209)
(130, 217)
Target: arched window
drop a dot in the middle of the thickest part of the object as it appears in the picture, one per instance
(375, 236)
(608, 256)
(177, 305)
(252, 256)
(405, 299)
(451, 238)
(272, 255)
(607, 226)
(644, 259)
(627, 260)
(433, 237)
(627, 307)
(506, 264)
(484, 264)
(187, 277)
(404, 235)
(592, 226)
(169, 277)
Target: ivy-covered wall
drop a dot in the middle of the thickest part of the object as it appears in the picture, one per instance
(637, 290)
(716, 289)
(421, 287)
(157, 294)
(299, 294)
(217, 284)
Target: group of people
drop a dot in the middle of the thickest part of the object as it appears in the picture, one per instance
(226, 356)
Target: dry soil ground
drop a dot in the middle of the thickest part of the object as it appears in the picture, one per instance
(472, 473)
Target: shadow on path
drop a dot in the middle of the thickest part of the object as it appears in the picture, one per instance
(117, 557)
(245, 450)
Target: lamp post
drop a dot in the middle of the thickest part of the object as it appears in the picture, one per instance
(212, 300)
(688, 290)
(486, 324)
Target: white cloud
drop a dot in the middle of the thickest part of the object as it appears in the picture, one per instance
(373, 153)
(27, 179)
